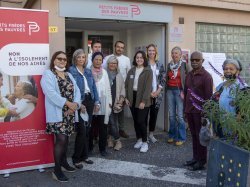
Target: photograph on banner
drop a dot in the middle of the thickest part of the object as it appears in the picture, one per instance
(18, 97)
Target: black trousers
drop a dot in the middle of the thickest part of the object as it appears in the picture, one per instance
(140, 117)
(82, 128)
(153, 112)
(98, 121)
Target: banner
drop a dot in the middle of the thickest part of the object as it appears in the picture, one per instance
(24, 55)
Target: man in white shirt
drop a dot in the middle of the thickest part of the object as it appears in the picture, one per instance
(124, 66)
(96, 45)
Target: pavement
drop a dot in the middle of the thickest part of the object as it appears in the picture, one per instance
(162, 166)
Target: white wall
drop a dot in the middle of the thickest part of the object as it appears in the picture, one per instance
(141, 37)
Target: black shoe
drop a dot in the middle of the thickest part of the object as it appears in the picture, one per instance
(59, 176)
(190, 162)
(68, 168)
(197, 166)
(78, 165)
(123, 134)
(104, 153)
(87, 161)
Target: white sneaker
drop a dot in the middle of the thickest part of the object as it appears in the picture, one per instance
(152, 138)
(138, 144)
(144, 147)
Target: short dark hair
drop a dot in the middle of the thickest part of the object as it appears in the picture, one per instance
(1, 74)
(95, 41)
(52, 66)
(145, 64)
(119, 41)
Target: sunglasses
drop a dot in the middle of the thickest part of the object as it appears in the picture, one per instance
(61, 59)
(195, 60)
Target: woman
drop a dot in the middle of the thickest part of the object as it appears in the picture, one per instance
(23, 107)
(176, 74)
(62, 99)
(226, 92)
(89, 100)
(101, 117)
(118, 96)
(138, 86)
(158, 83)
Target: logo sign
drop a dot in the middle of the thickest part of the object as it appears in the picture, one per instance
(120, 10)
(33, 27)
(135, 10)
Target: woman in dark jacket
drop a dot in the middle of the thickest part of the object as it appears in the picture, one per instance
(90, 101)
(138, 86)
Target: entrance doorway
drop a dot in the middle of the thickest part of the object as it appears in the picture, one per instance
(136, 35)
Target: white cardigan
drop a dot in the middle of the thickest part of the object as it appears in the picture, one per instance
(104, 92)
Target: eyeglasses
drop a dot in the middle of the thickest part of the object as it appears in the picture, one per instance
(195, 60)
(62, 59)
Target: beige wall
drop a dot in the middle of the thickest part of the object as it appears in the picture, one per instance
(57, 39)
(224, 4)
(208, 15)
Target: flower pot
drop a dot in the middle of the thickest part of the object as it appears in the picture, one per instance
(228, 165)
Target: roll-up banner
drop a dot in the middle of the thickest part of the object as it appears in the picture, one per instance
(24, 55)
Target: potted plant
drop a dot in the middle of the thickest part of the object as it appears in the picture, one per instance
(229, 159)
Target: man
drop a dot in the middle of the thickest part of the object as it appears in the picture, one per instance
(124, 66)
(198, 82)
(96, 45)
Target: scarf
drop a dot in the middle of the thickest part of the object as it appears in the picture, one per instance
(112, 76)
(174, 67)
(97, 73)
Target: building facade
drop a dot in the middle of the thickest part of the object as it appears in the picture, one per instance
(213, 26)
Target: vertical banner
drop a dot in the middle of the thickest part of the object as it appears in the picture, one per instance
(24, 55)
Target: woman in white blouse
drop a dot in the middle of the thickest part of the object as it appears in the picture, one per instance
(101, 117)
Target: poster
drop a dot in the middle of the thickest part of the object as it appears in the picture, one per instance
(216, 60)
(24, 55)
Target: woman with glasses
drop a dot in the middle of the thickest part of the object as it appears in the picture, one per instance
(62, 99)
(176, 74)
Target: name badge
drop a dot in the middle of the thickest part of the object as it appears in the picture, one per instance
(157, 72)
(131, 76)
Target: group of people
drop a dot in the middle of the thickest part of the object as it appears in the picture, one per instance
(89, 97)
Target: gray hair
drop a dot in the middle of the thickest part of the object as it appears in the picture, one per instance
(76, 54)
(231, 61)
(176, 48)
(112, 58)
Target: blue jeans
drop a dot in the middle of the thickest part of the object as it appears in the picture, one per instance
(177, 129)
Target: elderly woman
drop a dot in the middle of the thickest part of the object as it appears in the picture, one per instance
(89, 99)
(118, 96)
(101, 117)
(226, 91)
(138, 86)
(159, 81)
(23, 106)
(62, 99)
(176, 75)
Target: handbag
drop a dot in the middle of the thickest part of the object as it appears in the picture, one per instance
(206, 132)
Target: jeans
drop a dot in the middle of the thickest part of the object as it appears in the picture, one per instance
(177, 129)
